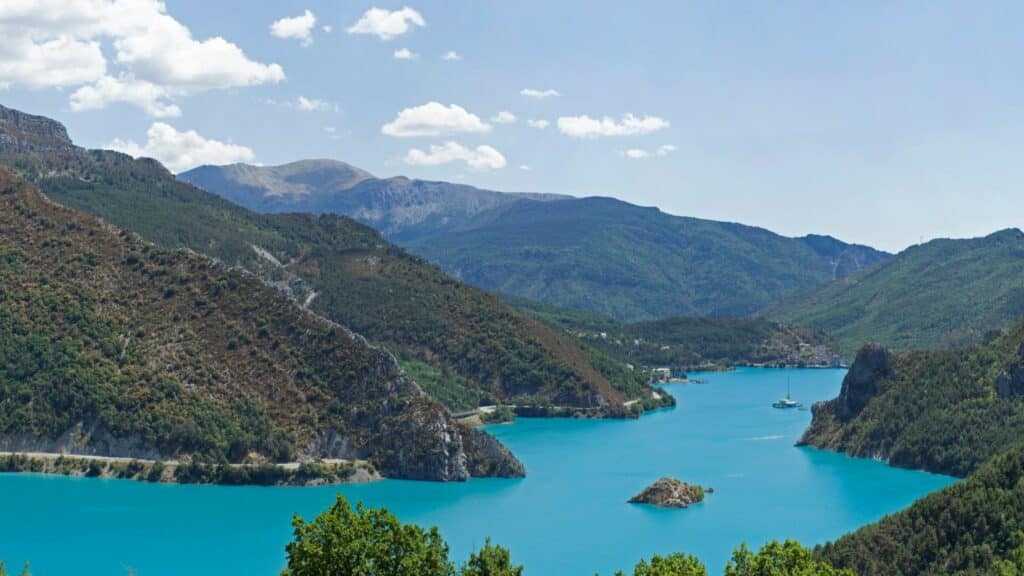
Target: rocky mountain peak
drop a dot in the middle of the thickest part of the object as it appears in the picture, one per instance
(21, 132)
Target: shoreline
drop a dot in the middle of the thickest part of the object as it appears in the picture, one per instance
(313, 473)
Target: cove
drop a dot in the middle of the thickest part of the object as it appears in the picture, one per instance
(569, 516)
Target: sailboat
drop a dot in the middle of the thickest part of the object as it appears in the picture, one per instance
(786, 402)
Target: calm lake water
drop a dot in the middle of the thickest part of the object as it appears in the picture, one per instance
(569, 516)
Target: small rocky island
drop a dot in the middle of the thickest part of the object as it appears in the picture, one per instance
(670, 493)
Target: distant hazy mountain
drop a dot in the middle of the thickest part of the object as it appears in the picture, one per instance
(942, 293)
(596, 254)
(397, 207)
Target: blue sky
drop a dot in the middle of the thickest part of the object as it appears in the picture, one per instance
(879, 123)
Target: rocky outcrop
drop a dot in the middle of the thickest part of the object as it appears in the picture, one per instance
(20, 132)
(486, 457)
(861, 383)
(669, 493)
(1010, 381)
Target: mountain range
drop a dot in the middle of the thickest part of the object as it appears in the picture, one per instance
(599, 254)
(462, 345)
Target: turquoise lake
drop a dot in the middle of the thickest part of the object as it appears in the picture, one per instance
(569, 516)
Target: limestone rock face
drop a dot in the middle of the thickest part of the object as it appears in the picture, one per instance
(669, 493)
(861, 382)
(1011, 380)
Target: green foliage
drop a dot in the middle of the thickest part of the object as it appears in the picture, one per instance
(364, 541)
(944, 293)
(491, 560)
(972, 527)
(779, 559)
(633, 263)
(676, 564)
(224, 370)
(687, 343)
(940, 411)
(465, 343)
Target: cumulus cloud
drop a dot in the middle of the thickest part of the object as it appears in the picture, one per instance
(503, 117)
(434, 119)
(587, 127)
(181, 151)
(538, 124)
(451, 56)
(405, 54)
(59, 43)
(296, 28)
(57, 62)
(538, 94)
(479, 158)
(152, 98)
(386, 24)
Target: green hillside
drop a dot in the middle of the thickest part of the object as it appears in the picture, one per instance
(686, 342)
(974, 527)
(112, 346)
(944, 293)
(945, 411)
(461, 344)
(634, 263)
(597, 254)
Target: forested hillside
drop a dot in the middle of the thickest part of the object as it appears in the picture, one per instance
(945, 411)
(112, 346)
(687, 342)
(462, 345)
(944, 293)
(597, 254)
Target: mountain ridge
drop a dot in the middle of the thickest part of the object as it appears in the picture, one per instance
(594, 253)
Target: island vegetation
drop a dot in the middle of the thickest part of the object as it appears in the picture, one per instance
(669, 492)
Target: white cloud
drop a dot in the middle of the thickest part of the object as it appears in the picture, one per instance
(451, 55)
(58, 43)
(539, 94)
(525, 167)
(310, 104)
(386, 24)
(152, 98)
(56, 62)
(405, 54)
(637, 153)
(327, 28)
(434, 119)
(538, 124)
(296, 28)
(503, 117)
(479, 158)
(587, 127)
(180, 151)
(305, 104)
